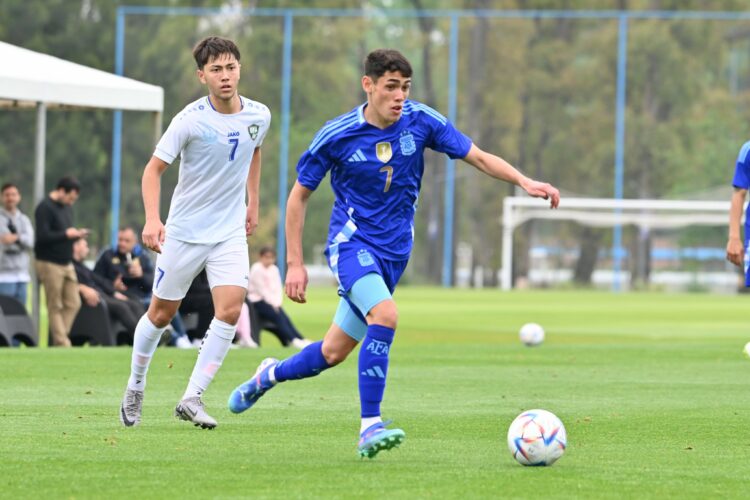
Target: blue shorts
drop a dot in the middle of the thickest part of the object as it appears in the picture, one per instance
(365, 279)
(747, 258)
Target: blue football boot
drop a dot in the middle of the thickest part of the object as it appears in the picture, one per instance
(246, 395)
(377, 438)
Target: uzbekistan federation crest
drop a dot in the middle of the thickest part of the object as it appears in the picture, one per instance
(383, 151)
(253, 131)
(408, 146)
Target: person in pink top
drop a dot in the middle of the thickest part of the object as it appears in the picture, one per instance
(265, 293)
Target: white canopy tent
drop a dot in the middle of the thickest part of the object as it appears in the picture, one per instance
(32, 79)
(29, 79)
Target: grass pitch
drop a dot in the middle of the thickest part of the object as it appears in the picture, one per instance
(652, 390)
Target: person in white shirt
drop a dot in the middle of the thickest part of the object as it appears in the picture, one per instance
(265, 292)
(218, 138)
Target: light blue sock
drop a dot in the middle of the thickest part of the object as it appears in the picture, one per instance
(307, 363)
(373, 368)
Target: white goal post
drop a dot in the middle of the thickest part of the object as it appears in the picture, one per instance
(606, 212)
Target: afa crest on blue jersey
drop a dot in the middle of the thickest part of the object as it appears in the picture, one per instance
(408, 146)
(365, 259)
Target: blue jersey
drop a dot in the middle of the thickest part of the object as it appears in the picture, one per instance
(742, 176)
(376, 174)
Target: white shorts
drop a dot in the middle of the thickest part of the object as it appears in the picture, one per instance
(226, 263)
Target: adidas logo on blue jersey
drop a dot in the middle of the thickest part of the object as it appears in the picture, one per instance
(357, 157)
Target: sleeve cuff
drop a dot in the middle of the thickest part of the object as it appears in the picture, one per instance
(164, 156)
(312, 186)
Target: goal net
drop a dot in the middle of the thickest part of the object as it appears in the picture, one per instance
(670, 244)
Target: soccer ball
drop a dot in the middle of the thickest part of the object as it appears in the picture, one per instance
(531, 334)
(537, 437)
(746, 350)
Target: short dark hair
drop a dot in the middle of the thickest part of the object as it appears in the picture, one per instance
(380, 61)
(69, 184)
(266, 250)
(212, 47)
(8, 185)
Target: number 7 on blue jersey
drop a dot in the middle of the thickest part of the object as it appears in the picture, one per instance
(389, 175)
(234, 142)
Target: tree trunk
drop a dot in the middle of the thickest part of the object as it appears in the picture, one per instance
(641, 263)
(433, 165)
(475, 102)
(590, 239)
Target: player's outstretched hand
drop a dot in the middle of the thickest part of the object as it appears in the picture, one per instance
(735, 251)
(542, 190)
(153, 235)
(296, 283)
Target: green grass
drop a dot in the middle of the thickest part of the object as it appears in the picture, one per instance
(652, 390)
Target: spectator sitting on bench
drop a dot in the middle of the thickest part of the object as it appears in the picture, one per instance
(129, 267)
(94, 289)
(265, 293)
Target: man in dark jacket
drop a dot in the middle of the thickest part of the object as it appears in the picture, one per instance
(94, 289)
(53, 247)
(128, 266)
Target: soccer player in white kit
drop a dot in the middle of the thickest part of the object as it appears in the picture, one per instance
(219, 138)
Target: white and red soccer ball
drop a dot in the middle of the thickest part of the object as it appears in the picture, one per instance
(537, 437)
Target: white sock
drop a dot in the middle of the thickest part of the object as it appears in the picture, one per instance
(145, 340)
(213, 351)
(367, 422)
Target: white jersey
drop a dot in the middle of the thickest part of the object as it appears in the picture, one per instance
(208, 204)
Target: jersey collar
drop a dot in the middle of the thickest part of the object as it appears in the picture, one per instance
(361, 119)
(242, 104)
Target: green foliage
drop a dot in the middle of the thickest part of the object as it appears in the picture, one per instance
(539, 92)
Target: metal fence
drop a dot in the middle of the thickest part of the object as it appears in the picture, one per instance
(453, 26)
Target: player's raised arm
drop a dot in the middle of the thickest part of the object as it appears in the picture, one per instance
(735, 248)
(296, 274)
(253, 193)
(498, 168)
(153, 230)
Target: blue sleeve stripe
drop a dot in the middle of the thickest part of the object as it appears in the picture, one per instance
(742, 157)
(431, 112)
(328, 132)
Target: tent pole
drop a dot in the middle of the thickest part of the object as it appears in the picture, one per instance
(41, 132)
(157, 127)
(41, 140)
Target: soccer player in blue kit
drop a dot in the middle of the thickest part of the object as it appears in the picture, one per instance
(741, 183)
(375, 156)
